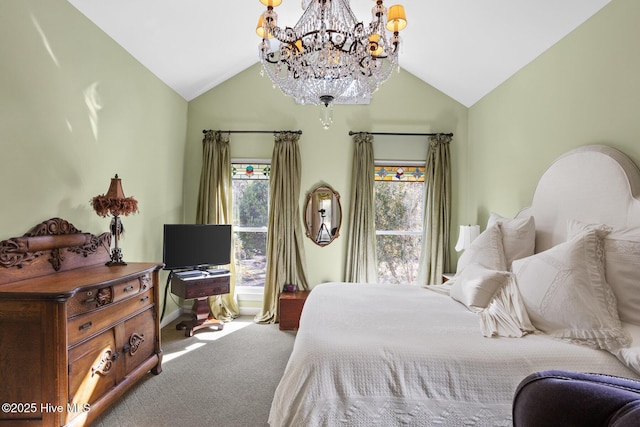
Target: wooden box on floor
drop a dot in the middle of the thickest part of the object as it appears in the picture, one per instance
(291, 304)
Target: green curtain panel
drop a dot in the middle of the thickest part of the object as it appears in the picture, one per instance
(285, 250)
(214, 207)
(362, 265)
(434, 258)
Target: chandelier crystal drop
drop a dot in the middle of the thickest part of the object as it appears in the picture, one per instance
(329, 57)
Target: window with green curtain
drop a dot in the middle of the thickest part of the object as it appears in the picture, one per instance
(250, 180)
(399, 203)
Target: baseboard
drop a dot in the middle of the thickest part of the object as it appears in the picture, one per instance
(249, 311)
(172, 316)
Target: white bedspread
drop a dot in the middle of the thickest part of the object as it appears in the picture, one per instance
(390, 355)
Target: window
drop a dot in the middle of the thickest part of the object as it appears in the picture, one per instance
(250, 192)
(399, 198)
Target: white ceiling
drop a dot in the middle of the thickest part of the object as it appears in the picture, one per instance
(464, 48)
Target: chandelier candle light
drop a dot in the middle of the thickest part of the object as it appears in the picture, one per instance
(329, 57)
(116, 204)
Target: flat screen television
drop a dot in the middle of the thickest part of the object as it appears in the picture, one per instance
(196, 246)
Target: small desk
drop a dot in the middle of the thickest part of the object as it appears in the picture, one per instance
(291, 304)
(200, 288)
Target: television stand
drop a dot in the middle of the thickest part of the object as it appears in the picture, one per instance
(200, 288)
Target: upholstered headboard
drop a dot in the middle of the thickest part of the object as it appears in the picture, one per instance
(592, 184)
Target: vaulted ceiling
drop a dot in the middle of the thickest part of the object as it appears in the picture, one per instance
(464, 48)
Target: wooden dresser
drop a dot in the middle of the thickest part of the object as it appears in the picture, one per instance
(75, 334)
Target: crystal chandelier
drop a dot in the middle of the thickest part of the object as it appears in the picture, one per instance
(329, 57)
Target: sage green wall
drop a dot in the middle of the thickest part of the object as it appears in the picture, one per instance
(584, 90)
(249, 102)
(75, 109)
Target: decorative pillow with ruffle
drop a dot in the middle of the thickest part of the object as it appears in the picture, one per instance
(566, 295)
(621, 267)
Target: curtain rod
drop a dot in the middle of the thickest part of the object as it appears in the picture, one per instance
(299, 132)
(351, 133)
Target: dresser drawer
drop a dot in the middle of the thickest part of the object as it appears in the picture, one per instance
(85, 325)
(202, 287)
(90, 299)
(139, 344)
(92, 368)
(126, 289)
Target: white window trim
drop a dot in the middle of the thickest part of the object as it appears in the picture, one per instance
(250, 293)
(250, 160)
(251, 229)
(399, 233)
(400, 162)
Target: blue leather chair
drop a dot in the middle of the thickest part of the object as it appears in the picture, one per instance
(567, 399)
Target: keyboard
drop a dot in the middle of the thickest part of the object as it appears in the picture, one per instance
(217, 271)
(188, 274)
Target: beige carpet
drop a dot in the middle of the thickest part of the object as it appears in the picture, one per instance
(215, 378)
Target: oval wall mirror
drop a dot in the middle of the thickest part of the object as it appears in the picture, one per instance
(323, 215)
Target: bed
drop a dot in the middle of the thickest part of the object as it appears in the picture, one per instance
(556, 287)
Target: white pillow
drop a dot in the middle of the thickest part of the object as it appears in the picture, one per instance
(622, 266)
(622, 269)
(518, 236)
(630, 356)
(477, 285)
(486, 250)
(506, 315)
(566, 295)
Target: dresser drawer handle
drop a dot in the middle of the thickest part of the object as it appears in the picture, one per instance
(144, 298)
(128, 288)
(85, 326)
(88, 300)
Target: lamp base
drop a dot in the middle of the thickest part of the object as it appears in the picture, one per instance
(116, 258)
